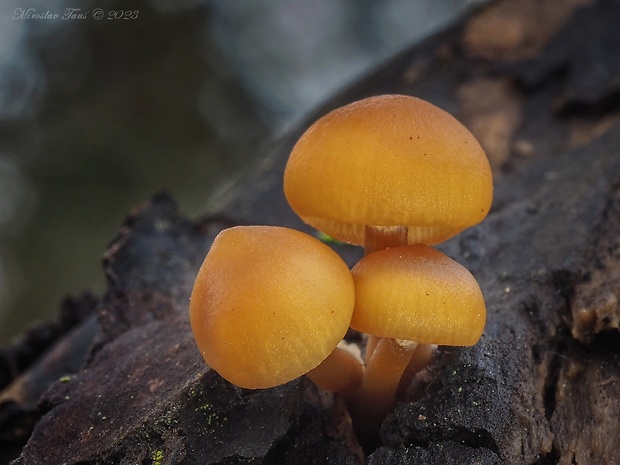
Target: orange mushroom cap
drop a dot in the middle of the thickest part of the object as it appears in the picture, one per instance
(390, 160)
(269, 304)
(417, 293)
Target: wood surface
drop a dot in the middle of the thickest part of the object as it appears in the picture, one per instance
(117, 379)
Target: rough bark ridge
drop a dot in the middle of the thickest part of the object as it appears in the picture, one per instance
(541, 387)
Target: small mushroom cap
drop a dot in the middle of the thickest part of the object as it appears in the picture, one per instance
(269, 304)
(390, 160)
(417, 293)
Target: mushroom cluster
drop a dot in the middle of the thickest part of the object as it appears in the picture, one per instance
(394, 174)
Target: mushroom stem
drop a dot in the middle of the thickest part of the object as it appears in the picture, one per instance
(386, 359)
(341, 372)
(382, 237)
(377, 393)
(420, 359)
(371, 345)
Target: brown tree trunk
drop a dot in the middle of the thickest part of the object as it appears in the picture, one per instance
(538, 82)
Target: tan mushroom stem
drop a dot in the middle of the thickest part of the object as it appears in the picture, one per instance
(387, 359)
(420, 360)
(382, 237)
(377, 393)
(391, 365)
(378, 238)
(340, 372)
(371, 344)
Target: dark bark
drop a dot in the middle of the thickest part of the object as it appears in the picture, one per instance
(542, 385)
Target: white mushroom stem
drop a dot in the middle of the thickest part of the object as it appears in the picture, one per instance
(342, 372)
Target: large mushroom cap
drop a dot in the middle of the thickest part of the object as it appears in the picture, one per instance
(391, 160)
(269, 304)
(417, 293)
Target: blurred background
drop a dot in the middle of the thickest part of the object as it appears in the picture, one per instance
(98, 114)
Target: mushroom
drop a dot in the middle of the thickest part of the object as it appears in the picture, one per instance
(409, 297)
(386, 171)
(270, 304)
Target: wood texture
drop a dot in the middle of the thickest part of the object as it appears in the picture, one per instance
(539, 85)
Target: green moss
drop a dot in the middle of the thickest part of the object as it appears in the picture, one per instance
(158, 457)
(210, 416)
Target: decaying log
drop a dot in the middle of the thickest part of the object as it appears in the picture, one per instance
(541, 387)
